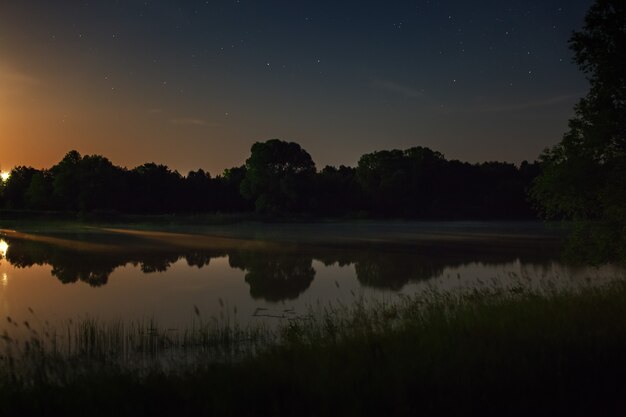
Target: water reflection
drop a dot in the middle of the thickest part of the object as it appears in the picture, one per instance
(274, 272)
(276, 276)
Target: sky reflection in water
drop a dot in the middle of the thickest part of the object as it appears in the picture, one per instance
(113, 274)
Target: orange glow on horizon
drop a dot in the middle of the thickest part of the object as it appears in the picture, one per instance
(4, 247)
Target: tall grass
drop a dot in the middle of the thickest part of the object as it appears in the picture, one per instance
(88, 344)
(480, 353)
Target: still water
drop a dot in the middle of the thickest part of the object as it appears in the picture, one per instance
(261, 273)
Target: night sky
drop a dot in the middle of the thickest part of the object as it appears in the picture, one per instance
(193, 84)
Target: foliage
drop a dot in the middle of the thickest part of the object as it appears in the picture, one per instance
(584, 176)
(419, 182)
(337, 192)
(403, 179)
(280, 178)
(14, 190)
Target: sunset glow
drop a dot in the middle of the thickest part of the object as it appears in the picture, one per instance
(218, 76)
(4, 175)
(4, 246)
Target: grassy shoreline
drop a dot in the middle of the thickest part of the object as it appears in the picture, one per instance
(481, 353)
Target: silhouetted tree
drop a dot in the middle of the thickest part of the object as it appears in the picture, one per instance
(503, 191)
(337, 192)
(14, 190)
(584, 176)
(39, 194)
(228, 195)
(100, 183)
(278, 176)
(157, 189)
(199, 191)
(400, 182)
(84, 183)
(66, 183)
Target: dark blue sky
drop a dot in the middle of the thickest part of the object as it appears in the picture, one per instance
(193, 84)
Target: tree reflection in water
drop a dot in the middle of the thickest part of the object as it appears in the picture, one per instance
(275, 276)
(274, 272)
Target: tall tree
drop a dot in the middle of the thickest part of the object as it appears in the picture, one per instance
(66, 183)
(278, 176)
(39, 194)
(14, 189)
(584, 176)
(85, 183)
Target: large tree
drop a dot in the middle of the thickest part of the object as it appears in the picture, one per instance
(85, 183)
(584, 176)
(15, 187)
(278, 177)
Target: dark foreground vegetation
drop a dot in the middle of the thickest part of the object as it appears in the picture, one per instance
(497, 353)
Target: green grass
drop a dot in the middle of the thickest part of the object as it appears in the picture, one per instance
(477, 354)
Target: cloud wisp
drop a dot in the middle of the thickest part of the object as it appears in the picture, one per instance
(13, 76)
(544, 102)
(397, 88)
(189, 121)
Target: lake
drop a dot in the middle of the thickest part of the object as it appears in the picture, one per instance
(266, 273)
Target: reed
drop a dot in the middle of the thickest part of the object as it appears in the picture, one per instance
(492, 352)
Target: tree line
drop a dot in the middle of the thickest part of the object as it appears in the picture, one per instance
(280, 178)
(92, 183)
